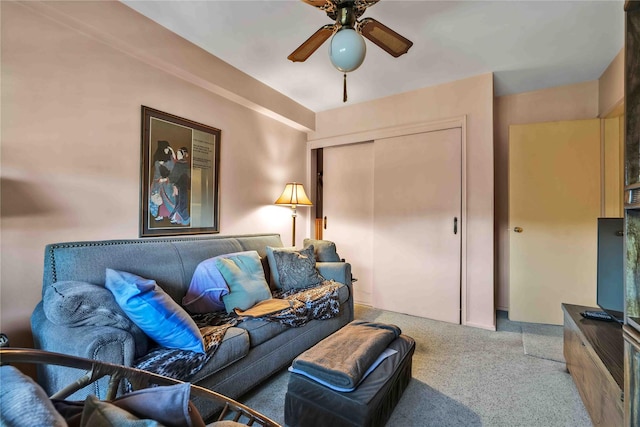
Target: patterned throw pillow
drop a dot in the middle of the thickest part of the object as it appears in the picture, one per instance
(274, 279)
(297, 269)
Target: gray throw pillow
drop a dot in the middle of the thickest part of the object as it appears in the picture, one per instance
(105, 414)
(168, 406)
(324, 250)
(297, 269)
(73, 304)
(24, 403)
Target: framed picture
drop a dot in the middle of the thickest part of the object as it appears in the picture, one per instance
(180, 169)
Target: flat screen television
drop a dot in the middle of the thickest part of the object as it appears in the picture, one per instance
(610, 281)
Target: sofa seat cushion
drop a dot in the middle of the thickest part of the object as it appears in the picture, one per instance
(261, 330)
(234, 347)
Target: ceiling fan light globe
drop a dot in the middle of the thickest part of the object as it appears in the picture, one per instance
(347, 50)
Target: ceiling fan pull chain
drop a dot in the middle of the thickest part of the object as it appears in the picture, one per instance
(344, 95)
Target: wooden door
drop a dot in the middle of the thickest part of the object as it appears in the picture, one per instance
(348, 208)
(417, 213)
(554, 203)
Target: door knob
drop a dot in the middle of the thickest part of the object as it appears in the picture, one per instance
(518, 229)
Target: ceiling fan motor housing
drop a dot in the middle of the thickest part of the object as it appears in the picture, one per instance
(346, 15)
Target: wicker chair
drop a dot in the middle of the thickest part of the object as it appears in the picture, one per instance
(95, 370)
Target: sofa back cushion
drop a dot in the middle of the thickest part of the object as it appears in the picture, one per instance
(170, 262)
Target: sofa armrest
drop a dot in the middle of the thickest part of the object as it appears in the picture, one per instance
(103, 343)
(338, 271)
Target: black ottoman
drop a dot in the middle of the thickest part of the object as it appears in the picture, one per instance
(308, 403)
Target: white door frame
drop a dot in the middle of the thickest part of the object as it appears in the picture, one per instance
(394, 131)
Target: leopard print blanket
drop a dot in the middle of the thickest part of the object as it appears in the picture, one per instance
(320, 302)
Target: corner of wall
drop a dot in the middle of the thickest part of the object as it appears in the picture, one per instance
(611, 87)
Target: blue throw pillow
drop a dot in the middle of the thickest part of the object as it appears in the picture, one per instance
(245, 277)
(207, 287)
(153, 310)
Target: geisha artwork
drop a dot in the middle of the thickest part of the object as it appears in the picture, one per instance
(180, 176)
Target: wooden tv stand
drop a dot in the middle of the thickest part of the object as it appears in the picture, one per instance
(594, 352)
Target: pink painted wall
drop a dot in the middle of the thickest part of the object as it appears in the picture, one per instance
(472, 97)
(74, 76)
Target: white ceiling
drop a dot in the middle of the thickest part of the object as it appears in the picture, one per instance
(528, 45)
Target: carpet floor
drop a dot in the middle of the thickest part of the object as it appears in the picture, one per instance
(463, 376)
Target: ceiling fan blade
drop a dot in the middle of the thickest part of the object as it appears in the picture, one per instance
(317, 3)
(392, 42)
(328, 6)
(312, 43)
(360, 6)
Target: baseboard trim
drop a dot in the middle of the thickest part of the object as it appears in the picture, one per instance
(481, 326)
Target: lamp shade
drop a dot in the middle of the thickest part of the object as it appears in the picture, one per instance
(293, 195)
(347, 50)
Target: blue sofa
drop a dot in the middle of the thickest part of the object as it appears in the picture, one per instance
(250, 352)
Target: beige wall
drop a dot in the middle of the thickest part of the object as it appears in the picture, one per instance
(611, 87)
(571, 102)
(597, 98)
(70, 154)
(612, 167)
(472, 97)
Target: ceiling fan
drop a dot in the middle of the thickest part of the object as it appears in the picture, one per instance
(347, 49)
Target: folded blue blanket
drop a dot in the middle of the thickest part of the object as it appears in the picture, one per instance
(342, 359)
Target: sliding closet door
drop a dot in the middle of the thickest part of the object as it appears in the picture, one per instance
(348, 209)
(416, 231)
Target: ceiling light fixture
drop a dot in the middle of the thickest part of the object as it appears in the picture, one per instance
(347, 48)
(347, 51)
